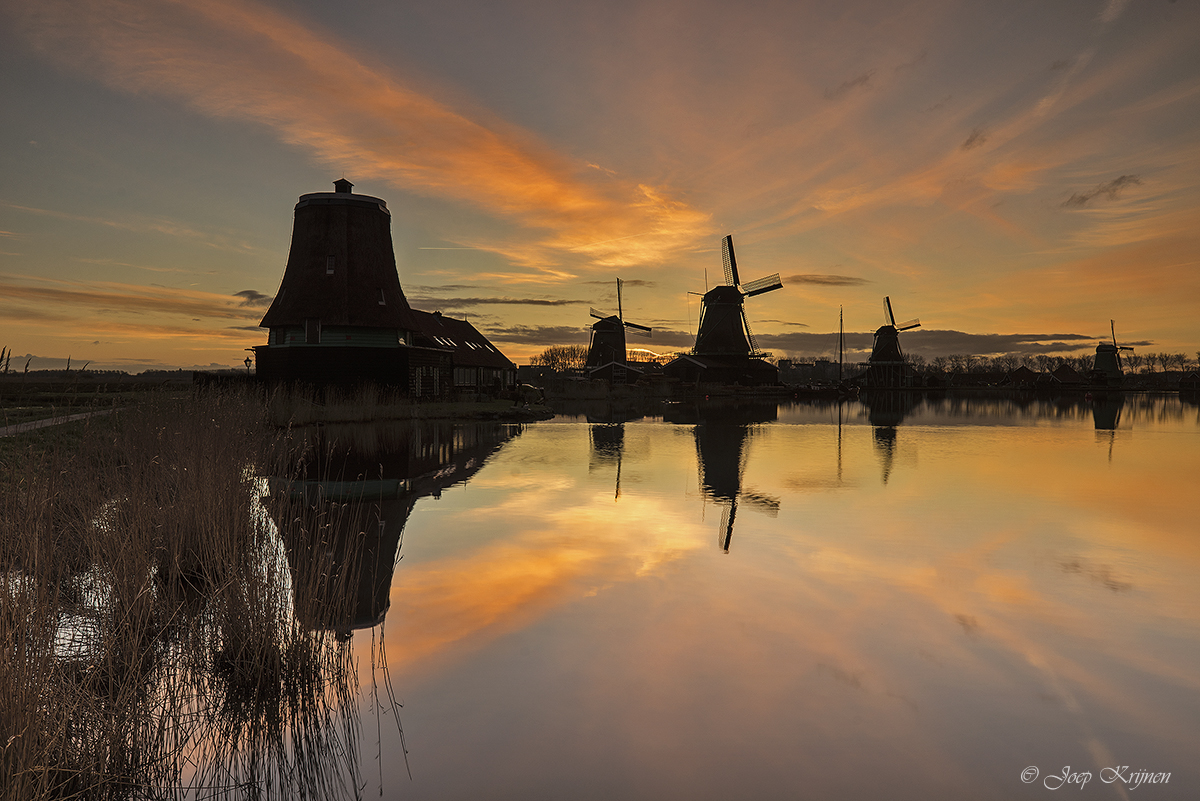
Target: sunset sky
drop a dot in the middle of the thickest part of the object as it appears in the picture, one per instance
(1014, 174)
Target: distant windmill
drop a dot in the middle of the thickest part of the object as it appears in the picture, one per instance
(885, 366)
(724, 330)
(608, 338)
(1107, 368)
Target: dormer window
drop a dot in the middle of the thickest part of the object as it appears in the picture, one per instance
(330, 261)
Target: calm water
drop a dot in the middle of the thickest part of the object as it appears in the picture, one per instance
(911, 600)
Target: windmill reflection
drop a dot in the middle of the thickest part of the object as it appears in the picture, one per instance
(1106, 410)
(723, 432)
(608, 445)
(885, 411)
(351, 496)
(1106, 416)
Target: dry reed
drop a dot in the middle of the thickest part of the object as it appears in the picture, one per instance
(150, 640)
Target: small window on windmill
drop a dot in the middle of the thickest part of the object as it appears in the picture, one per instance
(312, 331)
(382, 299)
(330, 261)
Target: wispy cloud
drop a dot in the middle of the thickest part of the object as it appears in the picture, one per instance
(539, 334)
(1110, 190)
(462, 303)
(142, 225)
(246, 61)
(251, 297)
(863, 81)
(821, 279)
(44, 296)
(977, 139)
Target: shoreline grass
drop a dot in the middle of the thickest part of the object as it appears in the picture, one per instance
(150, 643)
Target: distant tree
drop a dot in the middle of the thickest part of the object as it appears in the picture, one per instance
(1006, 363)
(1086, 362)
(916, 360)
(940, 363)
(1133, 361)
(562, 357)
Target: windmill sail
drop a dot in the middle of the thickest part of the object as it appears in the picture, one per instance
(730, 261)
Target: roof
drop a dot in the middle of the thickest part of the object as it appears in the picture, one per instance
(1067, 374)
(471, 348)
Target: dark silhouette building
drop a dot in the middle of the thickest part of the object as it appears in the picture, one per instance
(340, 316)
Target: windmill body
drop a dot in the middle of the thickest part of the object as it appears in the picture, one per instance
(725, 351)
(607, 357)
(886, 368)
(1106, 369)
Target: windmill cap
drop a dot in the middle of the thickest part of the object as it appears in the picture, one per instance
(342, 196)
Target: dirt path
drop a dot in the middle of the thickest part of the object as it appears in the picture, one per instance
(33, 425)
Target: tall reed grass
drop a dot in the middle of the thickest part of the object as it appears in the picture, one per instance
(150, 645)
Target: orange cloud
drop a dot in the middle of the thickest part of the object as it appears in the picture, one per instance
(245, 61)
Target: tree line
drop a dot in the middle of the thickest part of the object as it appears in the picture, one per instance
(574, 357)
(1042, 362)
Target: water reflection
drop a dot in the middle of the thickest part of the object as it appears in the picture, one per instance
(357, 486)
(723, 432)
(1106, 410)
(950, 629)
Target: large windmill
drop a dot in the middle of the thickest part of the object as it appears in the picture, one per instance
(885, 366)
(1107, 367)
(724, 330)
(607, 349)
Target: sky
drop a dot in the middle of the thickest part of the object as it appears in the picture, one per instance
(1015, 174)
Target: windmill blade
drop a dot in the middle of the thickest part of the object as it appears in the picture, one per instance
(1112, 326)
(762, 285)
(888, 317)
(598, 314)
(639, 330)
(913, 323)
(730, 261)
(764, 504)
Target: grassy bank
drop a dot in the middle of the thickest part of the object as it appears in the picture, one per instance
(371, 403)
(148, 636)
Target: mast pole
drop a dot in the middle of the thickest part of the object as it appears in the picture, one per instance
(841, 340)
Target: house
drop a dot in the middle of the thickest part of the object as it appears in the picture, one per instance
(477, 365)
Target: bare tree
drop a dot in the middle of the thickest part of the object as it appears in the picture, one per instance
(562, 357)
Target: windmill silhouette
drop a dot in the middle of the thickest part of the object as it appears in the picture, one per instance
(607, 349)
(724, 330)
(1107, 368)
(885, 366)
